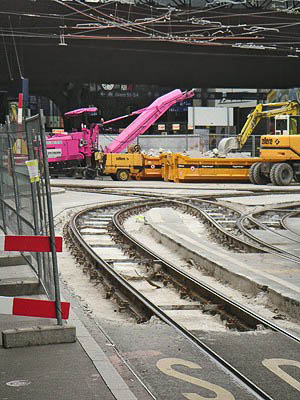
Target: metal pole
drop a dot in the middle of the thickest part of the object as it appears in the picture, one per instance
(5, 156)
(50, 220)
(34, 197)
(2, 162)
(42, 208)
(15, 185)
(194, 119)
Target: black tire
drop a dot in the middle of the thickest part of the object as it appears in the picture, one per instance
(71, 173)
(251, 173)
(297, 178)
(113, 177)
(89, 173)
(283, 174)
(273, 175)
(122, 175)
(258, 177)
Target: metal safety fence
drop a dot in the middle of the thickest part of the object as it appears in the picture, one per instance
(25, 197)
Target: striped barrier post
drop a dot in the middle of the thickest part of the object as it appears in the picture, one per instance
(29, 243)
(31, 307)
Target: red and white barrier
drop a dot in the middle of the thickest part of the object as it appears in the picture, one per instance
(32, 307)
(29, 243)
(20, 109)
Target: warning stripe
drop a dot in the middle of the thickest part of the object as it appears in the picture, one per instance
(6, 305)
(29, 243)
(32, 307)
(20, 108)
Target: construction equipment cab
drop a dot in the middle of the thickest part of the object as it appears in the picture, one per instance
(286, 125)
(270, 110)
(279, 161)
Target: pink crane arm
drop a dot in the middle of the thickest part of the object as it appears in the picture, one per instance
(80, 111)
(124, 116)
(146, 118)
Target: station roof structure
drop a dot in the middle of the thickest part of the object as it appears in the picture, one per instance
(191, 43)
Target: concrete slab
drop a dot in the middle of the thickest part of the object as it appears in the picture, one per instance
(20, 287)
(19, 279)
(38, 335)
(246, 272)
(13, 259)
(19, 271)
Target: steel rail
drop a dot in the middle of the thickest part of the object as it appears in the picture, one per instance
(263, 226)
(243, 312)
(151, 309)
(284, 224)
(232, 238)
(270, 248)
(281, 221)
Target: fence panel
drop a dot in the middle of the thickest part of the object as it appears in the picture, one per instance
(23, 206)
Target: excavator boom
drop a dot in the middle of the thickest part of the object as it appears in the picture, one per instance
(236, 143)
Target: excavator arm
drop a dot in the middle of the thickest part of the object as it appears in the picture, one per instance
(236, 143)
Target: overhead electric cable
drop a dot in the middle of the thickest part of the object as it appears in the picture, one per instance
(7, 60)
(16, 51)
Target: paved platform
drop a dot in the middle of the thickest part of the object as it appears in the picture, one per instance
(107, 182)
(68, 371)
(61, 371)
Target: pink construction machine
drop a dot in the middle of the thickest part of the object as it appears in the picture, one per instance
(71, 154)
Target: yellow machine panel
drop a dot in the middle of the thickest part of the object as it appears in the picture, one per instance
(151, 168)
(180, 168)
(280, 148)
(118, 165)
(116, 161)
(167, 166)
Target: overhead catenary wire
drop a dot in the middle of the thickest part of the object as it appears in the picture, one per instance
(265, 28)
(16, 51)
(7, 59)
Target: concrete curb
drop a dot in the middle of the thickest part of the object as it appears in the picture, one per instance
(38, 335)
(276, 293)
(20, 287)
(11, 260)
(108, 372)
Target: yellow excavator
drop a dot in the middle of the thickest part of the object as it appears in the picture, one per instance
(269, 110)
(279, 159)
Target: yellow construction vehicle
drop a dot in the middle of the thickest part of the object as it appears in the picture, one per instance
(269, 110)
(118, 165)
(279, 160)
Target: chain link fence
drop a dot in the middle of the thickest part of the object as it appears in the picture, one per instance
(24, 199)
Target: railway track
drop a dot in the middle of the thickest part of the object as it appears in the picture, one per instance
(100, 243)
(273, 224)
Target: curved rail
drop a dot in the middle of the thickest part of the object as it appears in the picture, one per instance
(272, 249)
(143, 306)
(284, 222)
